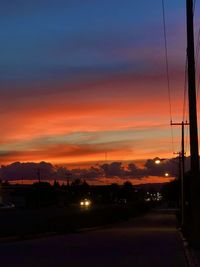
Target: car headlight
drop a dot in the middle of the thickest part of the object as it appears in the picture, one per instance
(87, 203)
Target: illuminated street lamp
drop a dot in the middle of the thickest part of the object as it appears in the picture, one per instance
(157, 160)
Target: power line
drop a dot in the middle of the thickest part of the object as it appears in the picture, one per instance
(187, 140)
(166, 59)
(185, 90)
(167, 72)
(185, 99)
(194, 5)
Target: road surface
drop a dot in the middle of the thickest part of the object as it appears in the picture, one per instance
(149, 241)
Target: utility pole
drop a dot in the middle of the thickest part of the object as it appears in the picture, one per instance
(182, 170)
(182, 124)
(194, 199)
(194, 150)
(181, 192)
(1, 197)
(38, 175)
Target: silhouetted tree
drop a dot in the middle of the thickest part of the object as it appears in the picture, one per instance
(127, 190)
(170, 191)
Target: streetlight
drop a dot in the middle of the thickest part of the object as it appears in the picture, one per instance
(158, 160)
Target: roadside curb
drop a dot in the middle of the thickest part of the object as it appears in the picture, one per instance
(51, 234)
(189, 253)
(26, 237)
(89, 229)
(48, 234)
(8, 239)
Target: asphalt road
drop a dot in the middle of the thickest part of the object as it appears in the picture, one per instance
(149, 241)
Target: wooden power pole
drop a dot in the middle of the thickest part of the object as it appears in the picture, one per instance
(182, 171)
(194, 200)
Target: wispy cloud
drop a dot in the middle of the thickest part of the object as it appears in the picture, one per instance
(80, 78)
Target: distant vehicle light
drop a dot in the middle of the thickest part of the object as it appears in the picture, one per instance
(85, 203)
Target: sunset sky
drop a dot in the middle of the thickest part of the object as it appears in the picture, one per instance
(85, 81)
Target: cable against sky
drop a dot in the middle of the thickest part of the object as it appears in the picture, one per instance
(167, 73)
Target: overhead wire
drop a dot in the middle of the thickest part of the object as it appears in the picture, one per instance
(185, 105)
(194, 5)
(167, 73)
(185, 99)
(185, 91)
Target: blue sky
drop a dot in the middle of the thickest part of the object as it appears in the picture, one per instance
(71, 69)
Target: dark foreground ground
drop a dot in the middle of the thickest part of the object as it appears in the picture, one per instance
(28, 223)
(151, 240)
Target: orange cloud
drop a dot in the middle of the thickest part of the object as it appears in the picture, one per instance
(116, 104)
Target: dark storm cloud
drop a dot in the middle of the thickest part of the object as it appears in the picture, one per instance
(47, 171)
(18, 171)
(114, 169)
(132, 171)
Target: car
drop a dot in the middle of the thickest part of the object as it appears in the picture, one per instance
(85, 203)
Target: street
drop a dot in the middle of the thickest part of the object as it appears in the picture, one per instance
(148, 241)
